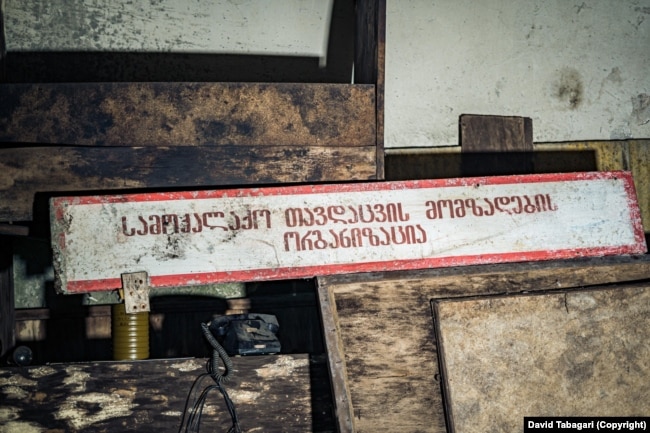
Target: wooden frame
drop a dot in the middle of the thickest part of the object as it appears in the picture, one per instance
(126, 136)
(380, 336)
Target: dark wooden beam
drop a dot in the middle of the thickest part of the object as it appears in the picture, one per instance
(188, 114)
(7, 312)
(381, 341)
(369, 64)
(496, 145)
(32, 172)
(271, 393)
(3, 45)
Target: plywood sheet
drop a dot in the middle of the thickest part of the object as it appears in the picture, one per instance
(575, 353)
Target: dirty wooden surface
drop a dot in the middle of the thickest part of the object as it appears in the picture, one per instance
(576, 353)
(382, 340)
(188, 114)
(7, 312)
(26, 173)
(149, 396)
(493, 145)
(370, 53)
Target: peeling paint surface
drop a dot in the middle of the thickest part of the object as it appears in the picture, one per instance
(193, 238)
(150, 396)
(290, 27)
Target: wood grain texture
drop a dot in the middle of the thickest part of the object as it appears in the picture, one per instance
(493, 145)
(28, 171)
(576, 353)
(640, 166)
(335, 353)
(480, 133)
(188, 114)
(7, 312)
(149, 396)
(370, 60)
(387, 335)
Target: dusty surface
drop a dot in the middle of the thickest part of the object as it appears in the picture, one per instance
(578, 353)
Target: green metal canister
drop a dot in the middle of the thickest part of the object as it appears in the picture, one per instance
(130, 334)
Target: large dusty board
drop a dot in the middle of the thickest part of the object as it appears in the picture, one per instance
(381, 340)
(578, 353)
(302, 231)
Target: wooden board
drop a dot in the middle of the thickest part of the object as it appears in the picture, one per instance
(370, 60)
(381, 339)
(207, 236)
(188, 114)
(7, 312)
(28, 175)
(481, 133)
(496, 145)
(150, 396)
(577, 353)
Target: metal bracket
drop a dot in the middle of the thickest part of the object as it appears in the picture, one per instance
(136, 292)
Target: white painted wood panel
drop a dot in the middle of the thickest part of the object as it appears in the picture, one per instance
(302, 231)
(271, 27)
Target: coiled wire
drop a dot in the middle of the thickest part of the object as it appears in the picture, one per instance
(191, 422)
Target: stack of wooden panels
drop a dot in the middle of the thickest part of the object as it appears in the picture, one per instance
(384, 351)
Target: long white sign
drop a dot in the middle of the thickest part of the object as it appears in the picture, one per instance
(186, 238)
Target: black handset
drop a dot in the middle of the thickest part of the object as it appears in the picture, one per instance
(247, 334)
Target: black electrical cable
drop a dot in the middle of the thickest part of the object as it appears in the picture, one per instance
(193, 421)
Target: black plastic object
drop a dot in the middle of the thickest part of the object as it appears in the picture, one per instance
(247, 334)
(22, 356)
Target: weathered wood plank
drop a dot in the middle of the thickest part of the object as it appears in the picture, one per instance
(369, 64)
(493, 145)
(481, 133)
(365, 45)
(7, 312)
(27, 171)
(576, 353)
(188, 114)
(149, 396)
(336, 360)
(380, 84)
(3, 45)
(387, 335)
(640, 167)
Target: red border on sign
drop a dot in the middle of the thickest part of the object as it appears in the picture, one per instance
(312, 271)
(82, 286)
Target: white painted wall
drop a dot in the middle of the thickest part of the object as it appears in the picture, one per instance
(579, 69)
